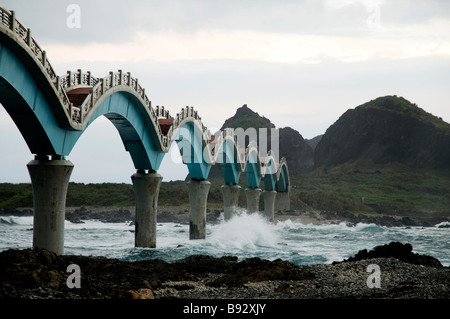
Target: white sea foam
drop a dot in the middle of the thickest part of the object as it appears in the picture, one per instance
(244, 236)
(245, 232)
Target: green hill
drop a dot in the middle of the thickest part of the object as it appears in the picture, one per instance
(385, 130)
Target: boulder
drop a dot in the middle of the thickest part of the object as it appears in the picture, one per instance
(397, 250)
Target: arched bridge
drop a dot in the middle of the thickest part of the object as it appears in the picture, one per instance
(52, 112)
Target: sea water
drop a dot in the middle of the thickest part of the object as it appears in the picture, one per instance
(244, 236)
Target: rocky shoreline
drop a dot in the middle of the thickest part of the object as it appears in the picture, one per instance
(29, 274)
(305, 216)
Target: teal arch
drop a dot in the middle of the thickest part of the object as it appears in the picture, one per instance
(22, 95)
(283, 183)
(253, 168)
(193, 149)
(135, 128)
(230, 162)
(270, 174)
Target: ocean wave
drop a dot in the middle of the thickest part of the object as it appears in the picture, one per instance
(443, 225)
(16, 220)
(244, 231)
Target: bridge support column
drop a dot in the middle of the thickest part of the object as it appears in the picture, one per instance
(50, 180)
(198, 195)
(146, 191)
(253, 195)
(230, 200)
(269, 204)
(282, 201)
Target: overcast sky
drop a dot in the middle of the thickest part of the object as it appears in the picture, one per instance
(299, 63)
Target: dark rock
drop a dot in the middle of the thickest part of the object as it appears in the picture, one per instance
(397, 250)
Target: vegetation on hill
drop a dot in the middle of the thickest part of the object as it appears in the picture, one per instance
(246, 118)
(362, 186)
(403, 106)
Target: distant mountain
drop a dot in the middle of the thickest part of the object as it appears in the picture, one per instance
(246, 118)
(292, 145)
(298, 153)
(314, 141)
(387, 129)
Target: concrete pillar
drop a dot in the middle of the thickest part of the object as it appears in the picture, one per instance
(269, 204)
(282, 201)
(230, 200)
(253, 195)
(198, 195)
(146, 191)
(50, 180)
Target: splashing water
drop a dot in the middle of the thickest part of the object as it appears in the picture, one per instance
(244, 232)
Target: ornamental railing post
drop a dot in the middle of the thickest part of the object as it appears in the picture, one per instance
(29, 37)
(111, 75)
(44, 58)
(91, 92)
(79, 77)
(13, 21)
(69, 83)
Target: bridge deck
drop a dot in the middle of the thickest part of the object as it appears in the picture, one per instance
(165, 124)
(77, 96)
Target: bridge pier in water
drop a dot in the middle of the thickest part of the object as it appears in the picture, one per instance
(269, 204)
(146, 189)
(253, 194)
(230, 195)
(50, 181)
(198, 196)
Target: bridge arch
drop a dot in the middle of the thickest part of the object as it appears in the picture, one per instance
(192, 139)
(126, 112)
(252, 165)
(270, 173)
(283, 181)
(228, 155)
